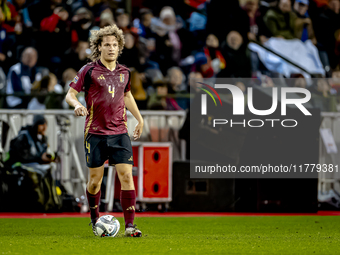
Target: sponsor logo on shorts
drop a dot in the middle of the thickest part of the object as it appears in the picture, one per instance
(130, 159)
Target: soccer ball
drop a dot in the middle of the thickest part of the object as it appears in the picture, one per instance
(107, 226)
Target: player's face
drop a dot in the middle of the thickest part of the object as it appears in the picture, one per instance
(109, 48)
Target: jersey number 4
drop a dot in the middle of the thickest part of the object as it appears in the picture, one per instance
(112, 91)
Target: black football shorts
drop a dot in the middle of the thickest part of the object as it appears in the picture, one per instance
(115, 148)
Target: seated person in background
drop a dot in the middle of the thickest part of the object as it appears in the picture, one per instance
(20, 78)
(75, 58)
(258, 30)
(213, 53)
(160, 101)
(300, 81)
(9, 18)
(237, 57)
(303, 26)
(281, 20)
(335, 80)
(177, 86)
(130, 55)
(168, 44)
(323, 96)
(143, 24)
(123, 20)
(82, 23)
(67, 77)
(326, 24)
(194, 79)
(201, 65)
(30, 146)
(106, 19)
(176, 79)
(44, 88)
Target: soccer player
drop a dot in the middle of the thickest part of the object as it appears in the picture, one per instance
(107, 92)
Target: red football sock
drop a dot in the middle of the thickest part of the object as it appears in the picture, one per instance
(128, 202)
(93, 204)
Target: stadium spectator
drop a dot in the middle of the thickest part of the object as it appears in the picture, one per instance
(213, 54)
(143, 23)
(201, 65)
(300, 81)
(97, 7)
(304, 27)
(258, 30)
(123, 20)
(335, 80)
(130, 55)
(82, 22)
(168, 43)
(67, 76)
(106, 19)
(176, 80)
(193, 81)
(137, 89)
(177, 86)
(231, 15)
(21, 8)
(237, 57)
(20, 78)
(75, 58)
(130, 58)
(44, 88)
(7, 49)
(9, 18)
(281, 20)
(323, 97)
(160, 100)
(30, 146)
(326, 24)
(51, 18)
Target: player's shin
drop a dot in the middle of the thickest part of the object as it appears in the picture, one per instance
(93, 201)
(128, 202)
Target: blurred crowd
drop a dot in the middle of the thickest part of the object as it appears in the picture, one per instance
(169, 44)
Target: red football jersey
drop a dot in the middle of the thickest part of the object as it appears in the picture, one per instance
(104, 96)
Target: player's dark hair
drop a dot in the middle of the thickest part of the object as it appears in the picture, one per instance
(97, 38)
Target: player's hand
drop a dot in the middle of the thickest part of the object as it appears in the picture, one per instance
(80, 110)
(138, 130)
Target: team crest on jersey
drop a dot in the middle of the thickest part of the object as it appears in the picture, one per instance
(75, 79)
(121, 77)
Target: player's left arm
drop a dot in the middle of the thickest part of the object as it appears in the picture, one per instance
(131, 105)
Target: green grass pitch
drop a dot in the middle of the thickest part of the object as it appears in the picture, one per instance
(172, 235)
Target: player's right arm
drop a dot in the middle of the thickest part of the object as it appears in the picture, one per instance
(71, 99)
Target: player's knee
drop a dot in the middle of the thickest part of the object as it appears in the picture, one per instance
(93, 186)
(126, 178)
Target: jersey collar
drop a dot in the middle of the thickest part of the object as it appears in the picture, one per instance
(101, 64)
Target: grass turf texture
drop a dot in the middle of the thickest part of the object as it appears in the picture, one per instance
(240, 235)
